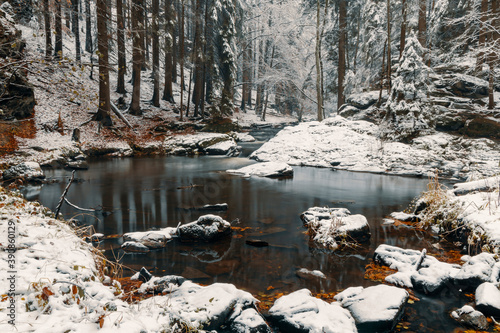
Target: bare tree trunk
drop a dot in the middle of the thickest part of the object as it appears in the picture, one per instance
(58, 49)
(120, 41)
(146, 32)
(389, 65)
(382, 72)
(342, 51)
(422, 22)
(198, 59)
(103, 113)
(482, 35)
(76, 30)
(88, 28)
(402, 39)
(169, 36)
(263, 118)
(317, 53)
(48, 31)
(181, 56)
(493, 57)
(137, 56)
(156, 53)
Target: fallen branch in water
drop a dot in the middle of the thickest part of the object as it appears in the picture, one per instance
(189, 186)
(63, 196)
(79, 208)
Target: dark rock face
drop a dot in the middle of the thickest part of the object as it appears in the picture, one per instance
(469, 317)
(144, 275)
(375, 309)
(483, 127)
(207, 228)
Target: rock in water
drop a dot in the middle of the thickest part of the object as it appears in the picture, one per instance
(375, 309)
(267, 169)
(467, 316)
(144, 275)
(134, 247)
(206, 229)
(249, 321)
(488, 299)
(301, 312)
(29, 171)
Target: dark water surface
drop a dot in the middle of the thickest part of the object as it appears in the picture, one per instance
(141, 194)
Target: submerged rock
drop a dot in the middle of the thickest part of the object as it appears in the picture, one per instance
(329, 226)
(375, 309)
(267, 169)
(134, 247)
(488, 299)
(28, 171)
(207, 229)
(301, 312)
(467, 316)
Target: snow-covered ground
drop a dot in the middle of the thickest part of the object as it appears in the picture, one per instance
(355, 146)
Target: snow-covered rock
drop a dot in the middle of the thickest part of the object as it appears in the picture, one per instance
(242, 137)
(152, 239)
(375, 309)
(467, 316)
(29, 171)
(482, 185)
(476, 270)
(488, 299)
(249, 321)
(209, 143)
(308, 274)
(415, 268)
(328, 226)
(301, 312)
(268, 169)
(354, 145)
(134, 247)
(206, 229)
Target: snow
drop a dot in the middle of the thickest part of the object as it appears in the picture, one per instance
(483, 185)
(315, 272)
(268, 169)
(305, 313)
(243, 137)
(162, 235)
(373, 304)
(488, 298)
(354, 145)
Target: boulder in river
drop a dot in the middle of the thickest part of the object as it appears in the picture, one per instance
(331, 226)
(153, 239)
(476, 270)
(301, 312)
(134, 247)
(266, 169)
(28, 171)
(205, 143)
(207, 228)
(249, 321)
(488, 299)
(469, 317)
(375, 309)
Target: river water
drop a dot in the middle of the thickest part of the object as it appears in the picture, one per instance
(137, 194)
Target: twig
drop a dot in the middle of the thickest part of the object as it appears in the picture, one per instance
(420, 260)
(58, 208)
(79, 208)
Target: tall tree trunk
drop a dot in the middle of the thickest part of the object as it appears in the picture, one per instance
(120, 41)
(103, 113)
(169, 36)
(482, 35)
(317, 53)
(389, 61)
(198, 59)
(342, 51)
(493, 57)
(146, 32)
(402, 39)
(58, 49)
(88, 28)
(382, 73)
(156, 53)
(76, 30)
(67, 13)
(422, 23)
(48, 31)
(181, 57)
(137, 56)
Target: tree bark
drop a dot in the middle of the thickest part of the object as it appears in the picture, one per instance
(493, 57)
(48, 31)
(389, 65)
(103, 113)
(181, 58)
(156, 53)
(422, 23)
(88, 28)
(342, 51)
(137, 56)
(402, 40)
(58, 49)
(76, 30)
(317, 53)
(198, 59)
(169, 36)
(482, 35)
(120, 41)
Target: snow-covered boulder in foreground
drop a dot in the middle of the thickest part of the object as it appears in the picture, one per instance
(375, 309)
(467, 316)
(268, 169)
(301, 312)
(478, 269)
(482, 185)
(248, 321)
(152, 239)
(329, 226)
(208, 143)
(206, 229)
(28, 171)
(488, 299)
(415, 269)
(355, 146)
